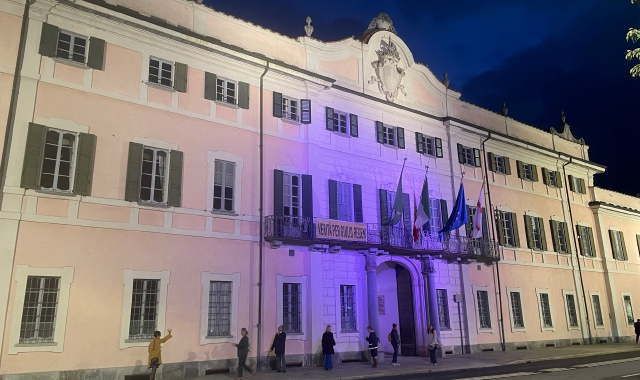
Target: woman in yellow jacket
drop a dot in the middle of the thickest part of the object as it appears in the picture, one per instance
(155, 352)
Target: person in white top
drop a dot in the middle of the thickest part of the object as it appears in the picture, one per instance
(432, 339)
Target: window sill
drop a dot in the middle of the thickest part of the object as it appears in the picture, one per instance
(349, 332)
(71, 63)
(225, 104)
(548, 329)
(470, 165)
(518, 329)
(138, 340)
(160, 86)
(485, 330)
(36, 344)
(153, 205)
(571, 328)
(68, 194)
(290, 121)
(228, 213)
(301, 333)
(599, 327)
(219, 337)
(389, 146)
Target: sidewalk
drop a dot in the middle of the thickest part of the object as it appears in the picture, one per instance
(409, 365)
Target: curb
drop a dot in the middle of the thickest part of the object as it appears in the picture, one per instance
(523, 361)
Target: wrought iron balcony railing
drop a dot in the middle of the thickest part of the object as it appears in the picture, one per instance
(395, 240)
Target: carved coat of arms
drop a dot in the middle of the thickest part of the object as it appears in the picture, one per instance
(388, 73)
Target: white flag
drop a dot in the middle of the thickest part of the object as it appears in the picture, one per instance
(476, 230)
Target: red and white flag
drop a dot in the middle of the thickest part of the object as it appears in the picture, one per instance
(476, 230)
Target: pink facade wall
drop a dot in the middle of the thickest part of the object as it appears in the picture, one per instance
(347, 68)
(122, 72)
(10, 27)
(171, 11)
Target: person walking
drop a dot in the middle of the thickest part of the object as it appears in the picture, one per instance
(636, 326)
(243, 351)
(432, 340)
(374, 341)
(155, 352)
(278, 345)
(327, 347)
(395, 342)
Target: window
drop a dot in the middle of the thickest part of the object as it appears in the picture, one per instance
(435, 223)
(443, 308)
(577, 185)
(468, 156)
(292, 191)
(226, 91)
(431, 146)
(552, 178)
(571, 310)
(628, 309)
(348, 308)
(390, 135)
(39, 310)
(597, 311)
(144, 309)
(508, 229)
(617, 245)
(160, 72)
(291, 308)
(585, 239)
(223, 184)
(290, 109)
(483, 309)
(340, 122)
(391, 198)
(545, 310)
(152, 182)
(536, 238)
(527, 172)
(72, 46)
(516, 310)
(560, 236)
(219, 323)
(58, 157)
(345, 206)
(499, 164)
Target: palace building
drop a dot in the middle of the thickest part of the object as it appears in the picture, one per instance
(165, 165)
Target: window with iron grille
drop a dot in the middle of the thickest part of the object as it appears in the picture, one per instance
(345, 204)
(348, 308)
(72, 47)
(545, 308)
(223, 185)
(628, 309)
(292, 307)
(144, 309)
(597, 311)
(153, 179)
(58, 157)
(516, 310)
(219, 308)
(292, 191)
(160, 72)
(290, 109)
(483, 309)
(226, 91)
(39, 310)
(571, 310)
(443, 308)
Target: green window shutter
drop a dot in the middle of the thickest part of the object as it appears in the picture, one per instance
(485, 225)
(583, 189)
(175, 179)
(400, 136)
(444, 212)
(33, 156)
(49, 40)
(559, 180)
(527, 226)
(571, 185)
(469, 225)
(305, 111)
(516, 233)
(134, 173)
(278, 193)
(520, 167)
(499, 221)
(507, 165)
(592, 241)
(333, 199)
(614, 249)
(357, 203)
(307, 196)
(492, 161)
(534, 170)
(554, 235)
(330, 125)
(384, 217)
(380, 132)
(565, 227)
(353, 125)
(420, 145)
(277, 104)
(180, 80)
(210, 81)
(476, 156)
(581, 238)
(96, 53)
(84, 164)
(438, 147)
(624, 246)
(243, 95)
(543, 235)
(545, 176)
(460, 154)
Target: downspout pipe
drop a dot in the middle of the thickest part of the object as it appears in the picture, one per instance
(486, 175)
(575, 241)
(13, 102)
(261, 215)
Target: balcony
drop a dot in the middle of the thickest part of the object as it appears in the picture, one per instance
(394, 240)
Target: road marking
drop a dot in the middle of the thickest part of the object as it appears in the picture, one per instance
(556, 369)
(500, 376)
(605, 363)
(634, 374)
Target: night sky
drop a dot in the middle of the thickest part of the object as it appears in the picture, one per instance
(541, 57)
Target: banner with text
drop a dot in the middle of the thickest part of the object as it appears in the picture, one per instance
(339, 230)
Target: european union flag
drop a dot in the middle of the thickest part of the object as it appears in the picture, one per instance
(458, 215)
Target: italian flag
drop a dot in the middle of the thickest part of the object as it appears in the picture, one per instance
(422, 214)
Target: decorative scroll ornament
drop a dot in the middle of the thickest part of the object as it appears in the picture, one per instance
(388, 73)
(566, 132)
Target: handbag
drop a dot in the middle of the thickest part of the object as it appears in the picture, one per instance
(155, 361)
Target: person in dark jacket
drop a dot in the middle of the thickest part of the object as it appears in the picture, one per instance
(636, 326)
(373, 345)
(243, 351)
(395, 342)
(327, 347)
(278, 345)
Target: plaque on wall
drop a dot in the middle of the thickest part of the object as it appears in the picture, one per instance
(380, 305)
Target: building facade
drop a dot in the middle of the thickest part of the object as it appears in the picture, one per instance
(165, 165)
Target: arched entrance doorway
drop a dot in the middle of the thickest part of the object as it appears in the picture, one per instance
(396, 305)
